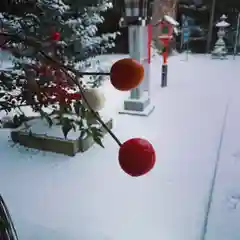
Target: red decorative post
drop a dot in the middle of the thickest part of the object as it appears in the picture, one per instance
(166, 34)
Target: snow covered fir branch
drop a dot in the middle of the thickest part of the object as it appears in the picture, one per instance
(51, 50)
(51, 46)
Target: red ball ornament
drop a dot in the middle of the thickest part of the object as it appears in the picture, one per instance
(56, 36)
(126, 74)
(137, 157)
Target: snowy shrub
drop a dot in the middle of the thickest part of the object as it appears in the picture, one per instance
(64, 31)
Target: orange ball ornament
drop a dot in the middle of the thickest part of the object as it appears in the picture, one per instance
(137, 157)
(126, 74)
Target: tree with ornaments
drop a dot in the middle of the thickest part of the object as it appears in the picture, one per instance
(65, 30)
(52, 45)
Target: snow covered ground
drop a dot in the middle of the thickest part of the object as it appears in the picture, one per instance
(224, 217)
(54, 197)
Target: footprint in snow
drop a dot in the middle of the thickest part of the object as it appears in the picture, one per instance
(236, 156)
(233, 202)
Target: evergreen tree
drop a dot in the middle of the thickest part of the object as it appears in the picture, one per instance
(198, 21)
(67, 32)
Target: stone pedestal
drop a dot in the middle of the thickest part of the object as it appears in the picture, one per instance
(51, 143)
(141, 106)
(139, 102)
(220, 49)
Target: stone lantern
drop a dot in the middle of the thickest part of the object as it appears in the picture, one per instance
(220, 50)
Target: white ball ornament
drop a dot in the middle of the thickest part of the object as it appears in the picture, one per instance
(95, 98)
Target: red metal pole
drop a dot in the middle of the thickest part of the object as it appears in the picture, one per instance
(165, 55)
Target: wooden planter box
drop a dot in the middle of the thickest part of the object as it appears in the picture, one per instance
(54, 144)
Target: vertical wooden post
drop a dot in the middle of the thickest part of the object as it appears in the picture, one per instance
(210, 29)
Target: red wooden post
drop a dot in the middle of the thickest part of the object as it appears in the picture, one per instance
(165, 37)
(165, 55)
(165, 42)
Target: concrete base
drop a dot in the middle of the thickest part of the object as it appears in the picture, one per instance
(59, 145)
(219, 57)
(139, 107)
(147, 111)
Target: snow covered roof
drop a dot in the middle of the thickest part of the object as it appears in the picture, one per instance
(170, 20)
(176, 31)
(223, 17)
(222, 24)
